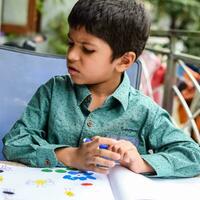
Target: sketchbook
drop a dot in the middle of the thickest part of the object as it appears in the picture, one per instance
(25, 183)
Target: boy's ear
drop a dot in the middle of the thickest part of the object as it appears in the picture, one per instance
(126, 61)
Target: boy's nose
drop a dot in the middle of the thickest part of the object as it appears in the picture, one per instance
(73, 54)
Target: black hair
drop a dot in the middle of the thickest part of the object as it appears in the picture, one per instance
(123, 24)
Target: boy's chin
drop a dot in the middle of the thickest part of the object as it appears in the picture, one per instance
(78, 82)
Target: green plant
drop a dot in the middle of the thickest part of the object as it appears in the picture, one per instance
(40, 4)
(59, 29)
(182, 14)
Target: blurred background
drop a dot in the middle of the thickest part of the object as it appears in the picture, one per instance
(170, 62)
(21, 20)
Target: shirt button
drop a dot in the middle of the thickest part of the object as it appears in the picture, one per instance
(47, 162)
(89, 123)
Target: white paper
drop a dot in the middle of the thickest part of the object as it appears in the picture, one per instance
(127, 185)
(24, 183)
(182, 188)
(33, 184)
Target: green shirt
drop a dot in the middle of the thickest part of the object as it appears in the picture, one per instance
(58, 116)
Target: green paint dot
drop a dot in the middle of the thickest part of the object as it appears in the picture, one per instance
(47, 170)
(60, 171)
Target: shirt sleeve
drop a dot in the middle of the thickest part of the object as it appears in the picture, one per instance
(26, 142)
(175, 154)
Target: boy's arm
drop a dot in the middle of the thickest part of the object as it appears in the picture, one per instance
(175, 154)
(26, 140)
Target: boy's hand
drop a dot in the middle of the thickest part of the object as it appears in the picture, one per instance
(89, 156)
(130, 157)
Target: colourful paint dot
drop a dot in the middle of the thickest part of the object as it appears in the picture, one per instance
(8, 192)
(86, 184)
(47, 170)
(69, 193)
(60, 171)
(40, 182)
(1, 179)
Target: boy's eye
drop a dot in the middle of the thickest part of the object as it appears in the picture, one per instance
(87, 51)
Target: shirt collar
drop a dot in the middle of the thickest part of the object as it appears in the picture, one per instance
(82, 92)
(121, 93)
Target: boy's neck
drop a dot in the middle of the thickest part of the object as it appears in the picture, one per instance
(100, 92)
(105, 89)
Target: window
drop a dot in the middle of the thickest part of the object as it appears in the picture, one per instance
(19, 16)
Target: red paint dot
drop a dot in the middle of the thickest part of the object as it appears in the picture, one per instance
(86, 184)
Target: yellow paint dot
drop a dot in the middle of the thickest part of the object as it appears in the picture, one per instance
(69, 193)
(40, 182)
(1, 179)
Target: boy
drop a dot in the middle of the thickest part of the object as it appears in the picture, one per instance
(96, 101)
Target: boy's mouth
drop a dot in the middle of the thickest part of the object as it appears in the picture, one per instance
(72, 70)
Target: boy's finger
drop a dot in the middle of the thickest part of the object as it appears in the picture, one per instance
(105, 140)
(101, 170)
(121, 151)
(97, 140)
(126, 158)
(107, 154)
(101, 162)
(116, 147)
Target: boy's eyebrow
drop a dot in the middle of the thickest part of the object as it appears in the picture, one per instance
(85, 43)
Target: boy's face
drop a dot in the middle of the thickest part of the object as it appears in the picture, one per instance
(89, 59)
